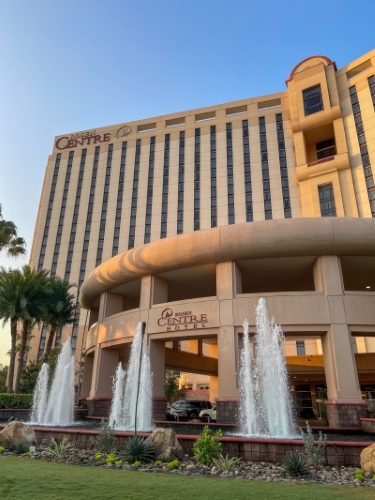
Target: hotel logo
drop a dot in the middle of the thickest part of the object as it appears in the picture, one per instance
(184, 320)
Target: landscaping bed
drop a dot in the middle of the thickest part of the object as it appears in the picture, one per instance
(247, 471)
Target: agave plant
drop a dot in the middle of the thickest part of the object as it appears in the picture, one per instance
(138, 449)
(58, 449)
(21, 448)
(225, 464)
(294, 464)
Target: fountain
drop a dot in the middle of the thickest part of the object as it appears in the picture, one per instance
(266, 406)
(55, 406)
(132, 403)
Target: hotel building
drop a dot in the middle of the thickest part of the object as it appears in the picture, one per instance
(184, 221)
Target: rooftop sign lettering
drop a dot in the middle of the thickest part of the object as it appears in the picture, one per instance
(81, 139)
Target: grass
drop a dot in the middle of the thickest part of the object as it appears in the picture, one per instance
(25, 479)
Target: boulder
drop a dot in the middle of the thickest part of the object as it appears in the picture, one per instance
(16, 433)
(166, 443)
(5, 441)
(368, 459)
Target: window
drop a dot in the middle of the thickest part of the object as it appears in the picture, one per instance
(312, 100)
(283, 165)
(327, 200)
(300, 345)
(133, 214)
(197, 167)
(325, 148)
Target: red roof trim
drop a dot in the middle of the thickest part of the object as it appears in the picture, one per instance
(326, 59)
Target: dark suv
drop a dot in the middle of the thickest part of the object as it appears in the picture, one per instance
(182, 410)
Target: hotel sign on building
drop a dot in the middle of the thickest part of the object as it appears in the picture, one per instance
(182, 317)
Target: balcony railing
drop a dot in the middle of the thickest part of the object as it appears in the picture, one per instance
(322, 160)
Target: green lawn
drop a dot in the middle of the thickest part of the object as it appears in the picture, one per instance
(34, 479)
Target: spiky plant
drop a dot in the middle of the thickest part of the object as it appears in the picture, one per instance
(21, 448)
(225, 464)
(58, 450)
(105, 440)
(294, 464)
(138, 449)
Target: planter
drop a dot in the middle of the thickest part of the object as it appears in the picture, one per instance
(368, 425)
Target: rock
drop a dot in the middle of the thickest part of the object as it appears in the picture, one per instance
(16, 433)
(368, 459)
(167, 446)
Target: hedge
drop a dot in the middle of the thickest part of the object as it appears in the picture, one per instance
(23, 401)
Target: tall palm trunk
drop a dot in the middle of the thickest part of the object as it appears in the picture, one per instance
(13, 335)
(51, 336)
(24, 335)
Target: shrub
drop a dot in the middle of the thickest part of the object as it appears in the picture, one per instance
(105, 440)
(2, 449)
(111, 458)
(119, 463)
(359, 474)
(175, 464)
(98, 456)
(31, 453)
(226, 464)
(21, 448)
(158, 463)
(316, 454)
(14, 401)
(58, 449)
(207, 446)
(138, 449)
(137, 463)
(294, 464)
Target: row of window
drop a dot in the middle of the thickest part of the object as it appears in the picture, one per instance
(133, 214)
(49, 212)
(150, 187)
(265, 169)
(120, 193)
(363, 147)
(247, 172)
(60, 227)
(197, 173)
(283, 166)
(164, 206)
(181, 184)
(73, 229)
(213, 176)
(103, 217)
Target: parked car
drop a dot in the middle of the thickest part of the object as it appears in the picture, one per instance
(186, 410)
(208, 414)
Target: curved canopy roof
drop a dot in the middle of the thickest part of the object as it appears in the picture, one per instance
(251, 240)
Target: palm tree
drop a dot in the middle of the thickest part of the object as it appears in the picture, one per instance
(13, 309)
(36, 292)
(14, 245)
(59, 309)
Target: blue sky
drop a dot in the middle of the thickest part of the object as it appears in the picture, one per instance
(76, 65)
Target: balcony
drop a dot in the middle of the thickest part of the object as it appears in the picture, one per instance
(323, 166)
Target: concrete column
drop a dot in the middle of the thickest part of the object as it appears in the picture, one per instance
(110, 303)
(159, 290)
(344, 406)
(104, 369)
(227, 285)
(214, 388)
(157, 361)
(87, 376)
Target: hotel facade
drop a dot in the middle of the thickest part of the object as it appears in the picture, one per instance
(185, 221)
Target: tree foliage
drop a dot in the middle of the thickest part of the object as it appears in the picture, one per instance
(14, 245)
(171, 389)
(3, 377)
(27, 298)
